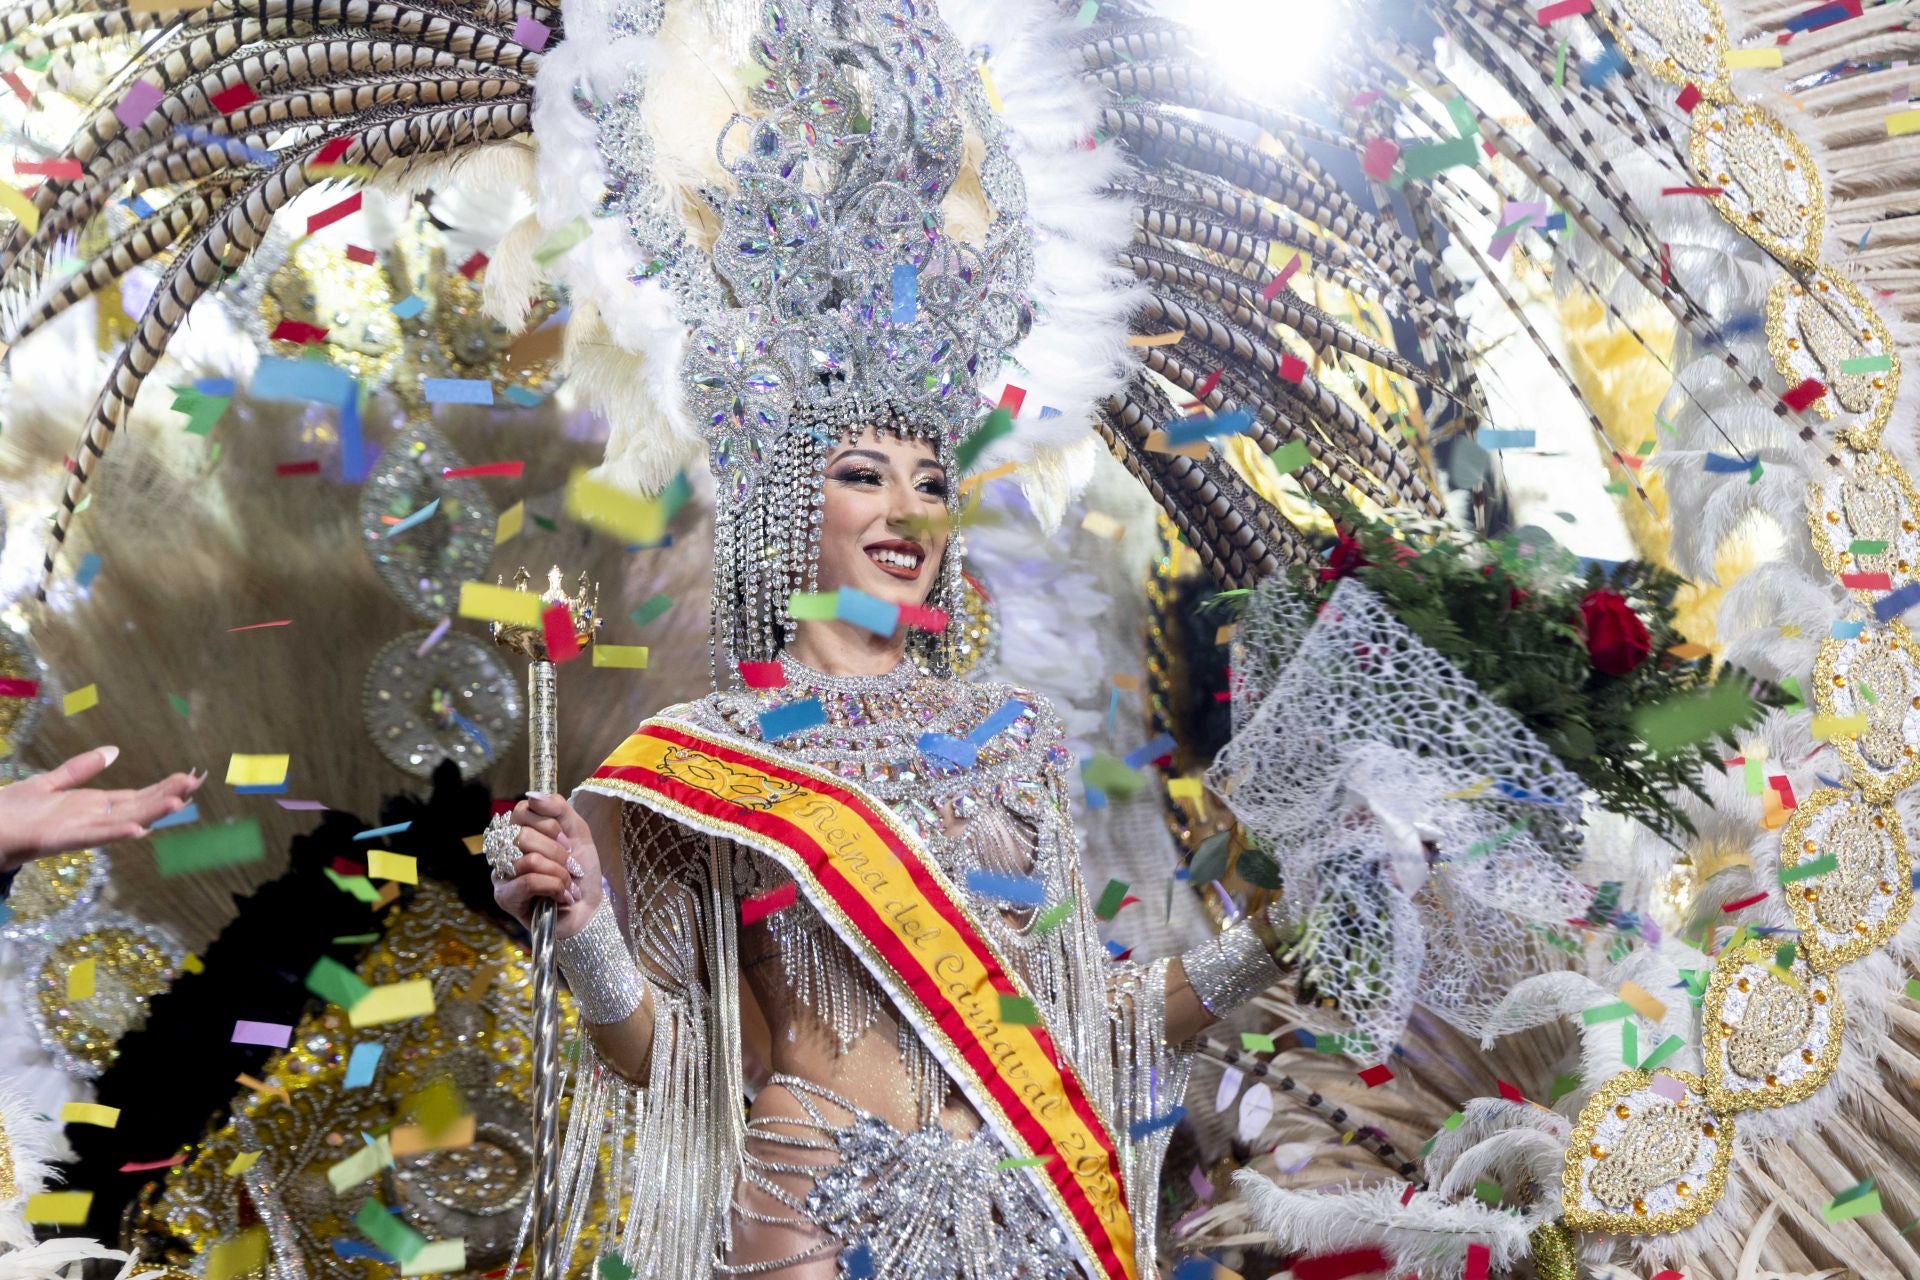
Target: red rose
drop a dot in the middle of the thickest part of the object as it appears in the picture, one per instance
(1616, 638)
(1344, 559)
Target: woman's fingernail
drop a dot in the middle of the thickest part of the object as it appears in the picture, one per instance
(109, 755)
(574, 867)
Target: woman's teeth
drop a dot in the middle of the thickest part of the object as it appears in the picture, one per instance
(899, 558)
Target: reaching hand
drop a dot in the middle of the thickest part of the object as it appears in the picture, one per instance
(52, 813)
(557, 861)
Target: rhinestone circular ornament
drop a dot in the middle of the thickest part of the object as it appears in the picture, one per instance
(1624, 1176)
(1873, 675)
(1786, 1028)
(425, 563)
(1862, 893)
(458, 701)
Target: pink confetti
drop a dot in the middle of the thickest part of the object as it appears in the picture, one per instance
(137, 103)
(532, 33)
(1667, 1087)
(275, 1035)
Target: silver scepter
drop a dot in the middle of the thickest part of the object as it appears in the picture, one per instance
(543, 742)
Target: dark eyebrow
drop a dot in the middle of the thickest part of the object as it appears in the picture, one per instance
(875, 455)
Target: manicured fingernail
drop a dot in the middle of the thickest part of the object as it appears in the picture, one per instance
(109, 754)
(573, 866)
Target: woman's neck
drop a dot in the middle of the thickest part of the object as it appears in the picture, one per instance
(842, 649)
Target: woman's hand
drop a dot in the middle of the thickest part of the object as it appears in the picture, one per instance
(558, 862)
(52, 813)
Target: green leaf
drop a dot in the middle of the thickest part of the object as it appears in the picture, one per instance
(1258, 869)
(1209, 860)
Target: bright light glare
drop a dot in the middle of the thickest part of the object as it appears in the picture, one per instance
(1261, 47)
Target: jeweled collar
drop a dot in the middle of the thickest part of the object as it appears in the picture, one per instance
(800, 675)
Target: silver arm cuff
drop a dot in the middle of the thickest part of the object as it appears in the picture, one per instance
(600, 971)
(1227, 971)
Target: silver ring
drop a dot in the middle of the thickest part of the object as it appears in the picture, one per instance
(501, 846)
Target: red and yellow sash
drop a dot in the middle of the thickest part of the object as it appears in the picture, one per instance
(873, 883)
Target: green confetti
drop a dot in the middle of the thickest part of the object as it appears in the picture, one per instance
(359, 886)
(1290, 457)
(1111, 777)
(1867, 547)
(1868, 364)
(1856, 1202)
(1254, 1042)
(335, 983)
(395, 1238)
(1022, 1162)
(612, 1268)
(355, 939)
(1868, 696)
(1487, 1191)
(1680, 722)
(1420, 163)
(179, 704)
(1052, 918)
(561, 241)
(1667, 1048)
(1019, 1011)
(651, 609)
(1811, 867)
(1646, 447)
(1630, 1043)
(1783, 956)
(207, 848)
(1493, 842)
(1618, 488)
(1089, 10)
(1110, 899)
(1461, 111)
(202, 411)
(1791, 685)
(1560, 66)
(813, 606)
(998, 423)
(1562, 1086)
(1454, 1121)
(1913, 988)
(1606, 1013)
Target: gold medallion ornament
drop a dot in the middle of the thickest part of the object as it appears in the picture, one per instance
(1874, 675)
(1859, 902)
(1679, 41)
(1813, 328)
(1868, 499)
(1648, 1156)
(1768, 188)
(1770, 1036)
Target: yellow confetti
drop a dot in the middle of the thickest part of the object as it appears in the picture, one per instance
(16, 203)
(1102, 525)
(260, 1086)
(1903, 122)
(975, 481)
(89, 1113)
(395, 1002)
(1642, 1001)
(510, 522)
(1226, 633)
(59, 1208)
(257, 771)
(80, 699)
(1769, 57)
(1689, 651)
(993, 93)
(193, 963)
(482, 979)
(615, 512)
(1826, 728)
(474, 843)
(80, 980)
(385, 865)
(241, 1163)
(633, 657)
(1156, 339)
(412, 1139)
(1157, 443)
(243, 1255)
(499, 604)
(1126, 682)
(370, 1159)
(435, 1257)
(1789, 631)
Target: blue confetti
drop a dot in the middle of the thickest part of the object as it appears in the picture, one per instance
(419, 517)
(344, 1248)
(1557, 221)
(456, 390)
(1611, 62)
(1721, 464)
(410, 306)
(1048, 413)
(141, 208)
(374, 833)
(214, 386)
(472, 730)
(1843, 629)
(791, 718)
(1142, 756)
(1140, 1129)
(1824, 16)
(314, 380)
(1022, 891)
(89, 570)
(1826, 781)
(277, 789)
(957, 750)
(1889, 607)
(361, 1064)
(1194, 1269)
(906, 293)
(524, 398)
(1491, 438)
(863, 610)
(1183, 431)
(1117, 951)
(191, 813)
(1004, 715)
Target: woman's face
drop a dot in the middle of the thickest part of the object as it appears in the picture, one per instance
(884, 524)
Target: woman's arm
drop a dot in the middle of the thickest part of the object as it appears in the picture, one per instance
(1211, 980)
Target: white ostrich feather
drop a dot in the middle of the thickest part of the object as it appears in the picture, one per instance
(49, 1259)
(32, 1143)
(1427, 1235)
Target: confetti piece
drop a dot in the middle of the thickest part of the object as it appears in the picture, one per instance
(1492, 439)
(1606, 1013)
(23, 210)
(763, 675)
(755, 909)
(335, 983)
(557, 630)
(1824, 16)
(1811, 867)
(80, 978)
(384, 865)
(630, 657)
(1479, 1258)
(148, 1166)
(1803, 394)
(922, 618)
(1374, 1077)
(1892, 606)
(1102, 525)
(408, 308)
(413, 1139)
(1023, 891)
(1089, 10)
(58, 1208)
(1268, 294)
(1866, 582)
(1827, 728)
(1292, 369)
(512, 520)
(791, 718)
(531, 33)
(1290, 457)
(651, 609)
(499, 604)
(1018, 1011)
(862, 610)
(1751, 58)
(944, 747)
(1191, 430)
(474, 265)
(997, 424)
(1378, 159)
(394, 1002)
(1682, 721)
(1643, 1002)
(89, 1113)
(1052, 918)
(276, 1035)
(257, 770)
(137, 103)
(456, 390)
(80, 699)
(208, 848)
(334, 213)
(1856, 1203)
(615, 512)
(361, 1064)
(16, 688)
(1140, 1130)
(1562, 9)
(1156, 339)
(906, 293)
(562, 241)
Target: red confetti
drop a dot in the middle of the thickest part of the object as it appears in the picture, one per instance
(15, 688)
(311, 467)
(1692, 191)
(755, 909)
(1803, 395)
(1563, 9)
(1339, 1266)
(1742, 903)
(148, 1166)
(1666, 263)
(1509, 1092)
(923, 618)
(1785, 790)
(365, 257)
(563, 643)
(473, 266)
(1205, 389)
(511, 470)
(327, 217)
(228, 101)
(298, 331)
(261, 626)
(1374, 1077)
(67, 169)
(502, 806)
(1668, 1275)
(1279, 282)
(1011, 399)
(1406, 1197)
(19, 87)
(331, 153)
(1292, 368)
(1379, 158)
(1689, 97)
(763, 675)
(1866, 582)
(348, 867)
(1479, 1257)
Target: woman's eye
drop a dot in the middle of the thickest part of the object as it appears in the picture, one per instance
(934, 488)
(859, 476)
